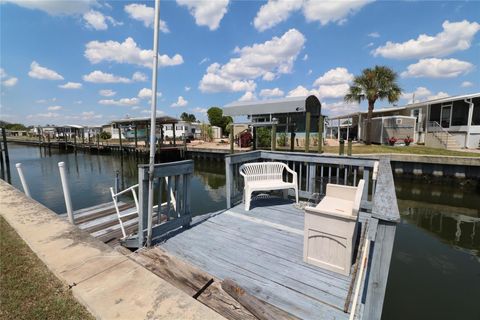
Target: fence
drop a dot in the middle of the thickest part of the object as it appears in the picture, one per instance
(313, 171)
(171, 183)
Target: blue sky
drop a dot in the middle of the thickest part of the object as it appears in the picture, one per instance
(88, 62)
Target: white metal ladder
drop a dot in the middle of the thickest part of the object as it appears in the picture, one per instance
(120, 216)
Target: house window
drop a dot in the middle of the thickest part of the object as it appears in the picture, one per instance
(435, 112)
(460, 113)
(476, 112)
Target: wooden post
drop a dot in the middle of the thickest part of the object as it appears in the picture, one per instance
(231, 139)
(174, 135)
(349, 147)
(320, 134)
(5, 149)
(254, 138)
(136, 139)
(98, 141)
(120, 138)
(341, 147)
(228, 182)
(307, 131)
(83, 136)
(273, 145)
(39, 136)
(292, 138)
(75, 141)
(65, 138)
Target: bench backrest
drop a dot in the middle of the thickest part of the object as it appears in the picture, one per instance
(258, 171)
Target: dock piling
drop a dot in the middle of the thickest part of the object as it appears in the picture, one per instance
(66, 192)
(26, 190)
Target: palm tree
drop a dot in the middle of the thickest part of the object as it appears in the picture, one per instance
(373, 84)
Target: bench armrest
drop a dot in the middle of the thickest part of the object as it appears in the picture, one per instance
(294, 174)
(341, 191)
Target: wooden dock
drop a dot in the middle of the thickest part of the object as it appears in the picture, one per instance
(260, 250)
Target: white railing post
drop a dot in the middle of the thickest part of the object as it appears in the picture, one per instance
(26, 190)
(66, 192)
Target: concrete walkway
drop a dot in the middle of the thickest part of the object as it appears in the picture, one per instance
(109, 284)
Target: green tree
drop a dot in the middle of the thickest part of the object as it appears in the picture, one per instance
(373, 84)
(104, 135)
(216, 118)
(188, 117)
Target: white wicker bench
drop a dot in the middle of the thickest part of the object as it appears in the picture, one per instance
(266, 176)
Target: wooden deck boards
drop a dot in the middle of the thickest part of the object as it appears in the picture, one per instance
(265, 260)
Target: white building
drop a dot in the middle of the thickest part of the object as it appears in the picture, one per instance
(191, 130)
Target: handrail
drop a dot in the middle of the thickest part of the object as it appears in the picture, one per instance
(313, 172)
(435, 127)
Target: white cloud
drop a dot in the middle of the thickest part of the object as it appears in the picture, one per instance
(374, 35)
(10, 82)
(439, 95)
(146, 93)
(181, 102)
(334, 76)
(95, 20)
(44, 115)
(310, 71)
(139, 77)
(54, 108)
(301, 91)
(203, 61)
(39, 72)
(121, 102)
(268, 76)
(267, 60)
(331, 11)
(206, 12)
(187, 88)
(422, 94)
(200, 110)
(144, 14)
(305, 57)
(276, 92)
(57, 7)
(339, 108)
(466, 84)
(71, 85)
(107, 93)
(90, 115)
(333, 91)
(456, 36)
(46, 100)
(438, 68)
(102, 77)
(248, 96)
(126, 52)
(276, 11)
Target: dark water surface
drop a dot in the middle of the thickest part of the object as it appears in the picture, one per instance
(435, 270)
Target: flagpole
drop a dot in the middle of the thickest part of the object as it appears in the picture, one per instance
(153, 115)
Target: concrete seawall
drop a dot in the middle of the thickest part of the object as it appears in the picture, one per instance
(109, 284)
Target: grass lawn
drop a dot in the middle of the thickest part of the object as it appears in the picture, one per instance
(412, 149)
(374, 148)
(28, 290)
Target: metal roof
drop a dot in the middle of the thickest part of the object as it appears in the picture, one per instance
(411, 105)
(160, 120)
(274, 106)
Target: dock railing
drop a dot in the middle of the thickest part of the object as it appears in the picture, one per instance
(171, 183)
(313, 171)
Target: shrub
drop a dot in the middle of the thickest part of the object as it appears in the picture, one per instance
(282, 139)
(392, 141)
(105, 135)
(407, 140)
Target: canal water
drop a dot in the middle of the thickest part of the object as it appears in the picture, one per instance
(435, 269)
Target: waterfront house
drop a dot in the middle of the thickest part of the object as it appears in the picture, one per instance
(450, 122)
(289, 115)
(188, 129)
(138, 128)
